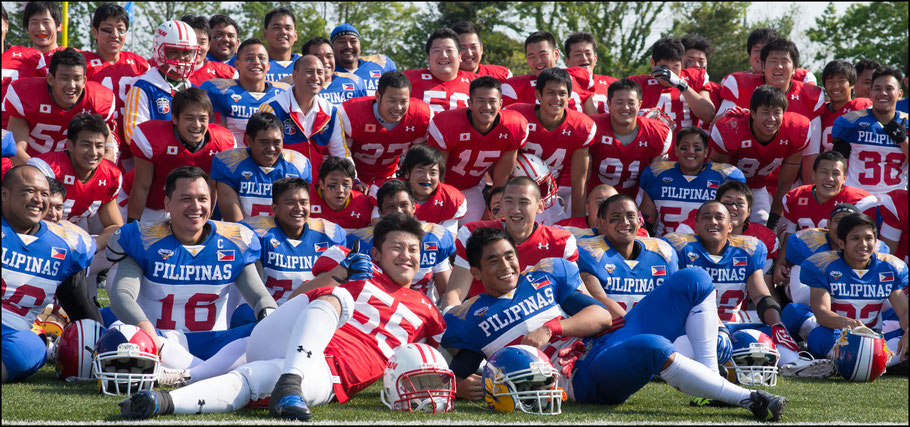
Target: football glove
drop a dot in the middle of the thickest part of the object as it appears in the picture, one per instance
(662, 72)
(569, 355)
(736, 111)
(724, 346)
(896, 131)
(358, 265)
(781, 337)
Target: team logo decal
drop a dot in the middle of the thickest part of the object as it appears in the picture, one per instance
(803, 201)
(464, 136)
(274, 243)
(226, 255)
(740, 261)
(289, 127)
(347, 86)
(375, 74)
(610, 268)
(836, 275)
(886, 277)
(69, 179)
(667, 180)
(165, 253)
(692, 256)
(58, 253)
(44, 108)
(659, 270)
(316, 209)
(236, 98)
(427, 246)
(172, 149)
(321, 246)
(863, 125)
(163, 105)
(540, 284)
(713, 184)
(481, 311)
(246, 174)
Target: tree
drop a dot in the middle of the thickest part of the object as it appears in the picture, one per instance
(875, 31)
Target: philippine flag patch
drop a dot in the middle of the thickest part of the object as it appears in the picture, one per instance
(226, 255)
(740, 261)
(58, 253)
(347, 86)
(321, 246)
(659, 270)
(375, 74)
(430, 247)
(886, 277)
(713, 184)
(540, 284)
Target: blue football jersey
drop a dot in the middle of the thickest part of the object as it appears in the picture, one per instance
(676, 195)
(627, 281)
(437, 246)
(287, 262)
(281, 69)
(902, 105)
(186, 287)
(34, 265)
(741, 257)
(810, 241)
(253, 183)
(857, 294)
(486, 324)
(876, 164)
(9, 144)
(370, 68)
(343, 87)
(230, 62)
(235, 104)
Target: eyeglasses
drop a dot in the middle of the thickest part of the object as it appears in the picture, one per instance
(738, 205)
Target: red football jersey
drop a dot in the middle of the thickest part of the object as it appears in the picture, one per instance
(802, 210)
(46, 60)
(557, 146)
(18, 62)
(759, 162)
(714, 93)
(620, 165)
(155, 141)
(212, 70)
(598, 92)
(520, 89)
(804, 76)
(444, 207)
(118, 78)
(757, 231)
(30, 100)
(895, 220)
(670, 99)
(354, 215)
(544, 242)
(497, 72)
(82, 198)
(440, 95)
(471, 153)
(828, 118)
(804, 99)
(375, 149)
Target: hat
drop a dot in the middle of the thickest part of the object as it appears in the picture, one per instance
(844, 207)
(343, 30)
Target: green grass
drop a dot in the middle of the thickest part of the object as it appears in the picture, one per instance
(42, 397)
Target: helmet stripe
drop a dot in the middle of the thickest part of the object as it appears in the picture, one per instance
(179, 30)
(863, 360)
(422, 354)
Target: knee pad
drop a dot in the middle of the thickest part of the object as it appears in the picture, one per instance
(347, 305)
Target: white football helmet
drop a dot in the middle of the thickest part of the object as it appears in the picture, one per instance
(531, 166)
(418, 378)
(126, 361)
(175, 35)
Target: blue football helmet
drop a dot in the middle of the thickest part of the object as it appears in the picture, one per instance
(126, 361)
(520, 377)
(754, 359)
(861, 354)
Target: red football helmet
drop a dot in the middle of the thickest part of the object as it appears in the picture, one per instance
(75, 350)
(531, 166)
(126, 361)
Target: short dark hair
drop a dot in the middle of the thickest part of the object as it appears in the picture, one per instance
(219, 19)
(423, 155)
(391, 188)
(67, 57)
(249, 42)
(623, 84)
(581, 37)
(190, 96)
(5, 15)
(706, 203)
(36, 7)
(191, 172)
(482, 237)
(889, 71)
(394, 79)
(282, 185)
(466, 27)
(199, 23)
(278, 11)
(56, 187)
(484, 82)
(315, 41)
(86, 122)
(733, 185)
(443, 33)
(697, 42)
(760, 35)
(489, 192)
(833, 156)
(554, 74)
(667, 48)
(341, 164)
(838, 67)
(781, 45)
(523, 181)
(866, 64)
(602, 209)
(110, 10)
(851, 221)
(261, 121)
(689, 130)
(769, 96)
(540, 36)
(397, 221)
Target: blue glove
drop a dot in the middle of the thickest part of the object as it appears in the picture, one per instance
(724, 347)
(359, 266)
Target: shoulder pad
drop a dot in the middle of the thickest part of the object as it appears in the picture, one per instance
(365, 233)
(660, 167)
(749, 243)
(231, 158)
(434, 229)
(679, 240)
(461, 311)
(71, 234)
(723, 168)
(659, 246)
(853, 116)
(596, 245)
(813, 237)
(822, 260)
(238, 234)
(579, 233)
(260, 224)
(149, 234)
(895, 262)
(222, 85)
(545, 265)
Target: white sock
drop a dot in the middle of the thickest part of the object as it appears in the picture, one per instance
(691, 377)
(807, 326)
(221, 362)
(224, 393)
(312, 331)
(701, 328)
(786, 355)
(175, 356)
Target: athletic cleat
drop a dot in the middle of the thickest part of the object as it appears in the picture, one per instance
(766, 406)
(293, 407)
(704, 401)
(286, 400)
(808, 367)
(173, 377)
(141, 405)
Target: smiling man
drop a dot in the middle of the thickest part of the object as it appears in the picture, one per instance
(334, 198)
(541, 52)
(345, 41)
(204, 68)
(339, 86)
(42, 20)
(225, 40)
(279, 29)
(472, 53)
(442, 85)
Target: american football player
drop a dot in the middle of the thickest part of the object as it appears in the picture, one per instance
(339, 86)
(346, 45)
(334, 198)
(437, 202)
(472, 53)
(279, 29)
(442, 85)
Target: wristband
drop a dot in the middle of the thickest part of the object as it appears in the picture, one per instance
(554, 326)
